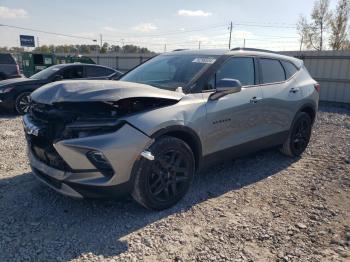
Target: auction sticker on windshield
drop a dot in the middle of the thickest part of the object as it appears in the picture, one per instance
(204, 60)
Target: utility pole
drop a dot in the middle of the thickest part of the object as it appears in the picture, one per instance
(244, 43)
(37, 41)
(199, 44)
(122, 40)
(301, 43)
(164, 48)
(101, 40)
(321, 38)
(229, 42)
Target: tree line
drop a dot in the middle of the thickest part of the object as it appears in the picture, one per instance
(83, 49)
(326, 28)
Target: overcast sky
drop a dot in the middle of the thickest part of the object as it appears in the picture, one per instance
(153, 23)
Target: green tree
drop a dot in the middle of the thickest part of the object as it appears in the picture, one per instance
(104, 48)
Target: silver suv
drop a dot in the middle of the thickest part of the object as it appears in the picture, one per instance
(148, 133)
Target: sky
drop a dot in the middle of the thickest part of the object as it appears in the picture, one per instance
(159, 25)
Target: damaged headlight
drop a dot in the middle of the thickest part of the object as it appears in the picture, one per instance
(92, 127)
(6, 90)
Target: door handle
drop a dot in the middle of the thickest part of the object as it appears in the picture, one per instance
(294, 90)
(255, 100)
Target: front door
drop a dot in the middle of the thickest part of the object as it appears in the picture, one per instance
(233, 119)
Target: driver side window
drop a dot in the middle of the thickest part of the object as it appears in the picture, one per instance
(240, 68)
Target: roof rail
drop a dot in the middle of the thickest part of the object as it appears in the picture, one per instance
(176, 50)
(252, 49)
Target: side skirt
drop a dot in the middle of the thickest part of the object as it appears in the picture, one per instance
(244, 149)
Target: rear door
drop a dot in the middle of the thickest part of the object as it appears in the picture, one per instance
(280, 94)
(235, 118)
(72, 72)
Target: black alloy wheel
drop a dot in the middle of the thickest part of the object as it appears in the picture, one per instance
(22, 103)
(162, 182)
(169, 174)
(299, 135)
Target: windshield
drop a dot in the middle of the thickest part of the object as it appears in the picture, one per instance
(46, 73)
(169, 71)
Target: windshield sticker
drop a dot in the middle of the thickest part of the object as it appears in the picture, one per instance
(204, 60)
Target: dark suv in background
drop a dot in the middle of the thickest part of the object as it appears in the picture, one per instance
(8, 67)
(14, 93)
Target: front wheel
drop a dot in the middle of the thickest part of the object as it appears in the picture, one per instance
(161, 183)
(22, 103)
(299, 136)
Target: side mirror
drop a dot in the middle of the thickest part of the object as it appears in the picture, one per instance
(225, 87)
(57, 78)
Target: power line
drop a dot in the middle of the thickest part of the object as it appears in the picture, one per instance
(268, 26)
(47, 32)
(221, 27)
(178, 32)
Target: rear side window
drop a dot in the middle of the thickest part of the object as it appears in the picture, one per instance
(240, 68)
(272, 71)
(7, 59)
(290, 68)
(96, 71)
(72, 72)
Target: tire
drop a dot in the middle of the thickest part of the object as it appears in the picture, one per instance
(161, 183)
(22, 103)
(299, 136)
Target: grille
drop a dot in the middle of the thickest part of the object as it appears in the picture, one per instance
(44, 151)
(42, 145)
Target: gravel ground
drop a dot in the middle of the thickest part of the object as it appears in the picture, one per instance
(264, 207)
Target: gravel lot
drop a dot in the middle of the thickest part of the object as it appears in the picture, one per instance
(265, 207)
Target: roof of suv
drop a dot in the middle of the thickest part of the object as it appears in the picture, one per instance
(240, 51)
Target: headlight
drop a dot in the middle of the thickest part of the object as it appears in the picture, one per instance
(93, 127)
(5, 90)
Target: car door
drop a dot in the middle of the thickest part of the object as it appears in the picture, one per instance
(72, 72)
(280, 95)
(234, 119)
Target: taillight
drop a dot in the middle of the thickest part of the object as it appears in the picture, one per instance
(317, 87)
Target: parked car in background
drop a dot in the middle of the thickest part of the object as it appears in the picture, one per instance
(14, 93)
(148, 133)
(8, 67)
(116, 76)
(33, 63)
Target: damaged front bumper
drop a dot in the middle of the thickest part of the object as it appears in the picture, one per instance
(82, 177)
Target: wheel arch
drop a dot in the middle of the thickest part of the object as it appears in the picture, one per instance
(186, 134)
(309, 109)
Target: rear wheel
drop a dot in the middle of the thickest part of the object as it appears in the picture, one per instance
(22, 103)
(299, 136)
(161, 183)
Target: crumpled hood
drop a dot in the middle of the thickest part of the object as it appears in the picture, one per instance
(97, 90)
(17, 81)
